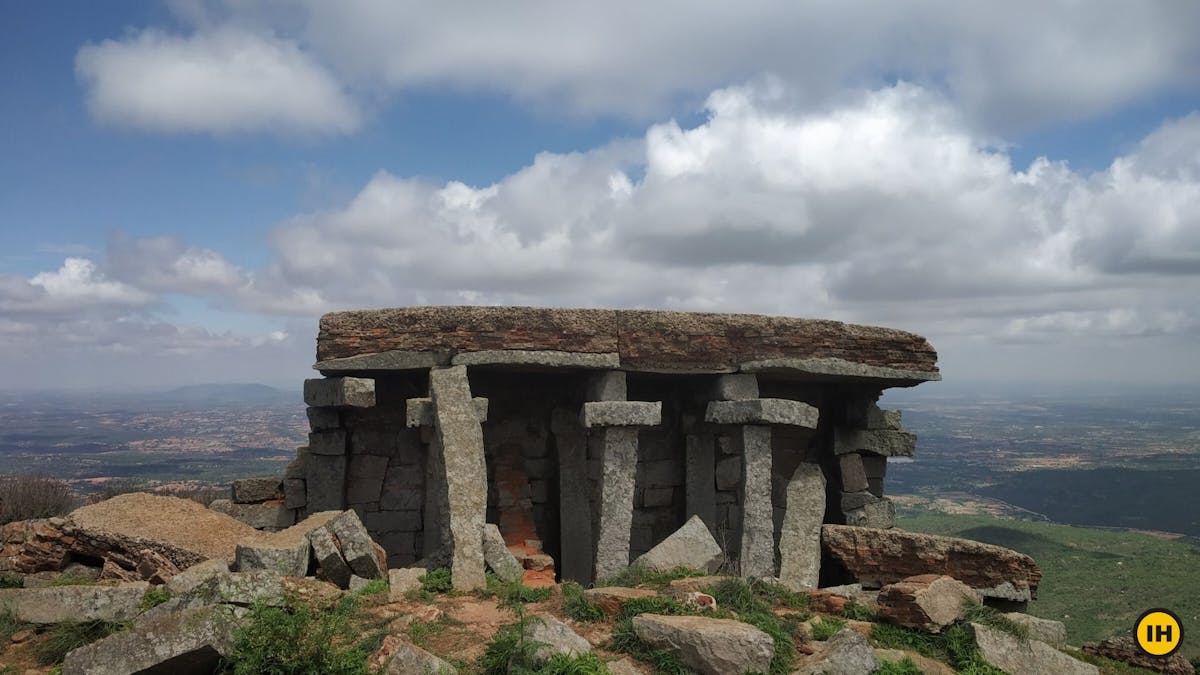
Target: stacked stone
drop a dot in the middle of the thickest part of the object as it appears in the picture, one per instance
(862, 447)
(259, 503)
(659, 489)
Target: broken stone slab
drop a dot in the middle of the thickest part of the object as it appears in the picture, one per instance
(497, 556)
(237, 588)
(361, 552)
(186, 641)
(800, 533)
(255, 490)
(329, 557)
(340, 392)
(55, 604)
(409, 659)
(610, 599)
(691, 546)
(1124, 649)
(556, 638)
(928, 602)
(401, 581)
(543, 358)
(192, 576)
(846, 652)
(1051, 632)
(461, 441)
(1028, 657)
(392, 359)
(879, 514)
(876, 557)
(738, 387)
(273, 514)
(763, 411)
(710, 646)
(882, 442)
(419, 411)
(286, 558)
(621, 414)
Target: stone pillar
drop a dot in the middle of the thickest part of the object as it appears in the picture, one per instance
(753, 417)
(324, 483)
(800, 535)
(575, 511)
(614, 423)
(862, 447)
(461, 439)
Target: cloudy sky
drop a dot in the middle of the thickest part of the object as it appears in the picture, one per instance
(186, 186)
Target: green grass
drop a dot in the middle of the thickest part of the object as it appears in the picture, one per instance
(510, 651)
(64, 637)
(419, 631)
(904, 666)
(857, 612)
(12, 581)
(300, 640)
(513, 593)
(72, 580)
(955, 646)
(826, 626)
(8, 626)
(154, 597)
(632, 576)
(373, 587)
(1097, 582)
(576, 606)
(755, 605)
(626, 641)
(1111, 667)
(974, 612)
(436, 581)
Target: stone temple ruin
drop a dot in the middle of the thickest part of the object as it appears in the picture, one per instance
(589, 436)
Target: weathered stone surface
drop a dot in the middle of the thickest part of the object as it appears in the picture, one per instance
(286, 558)
(606, 386)
(357, 583)
(845, 653)
(763, 411)
(621, 414)
(610, 599)
(882, 442)
(254, 490)
(700, 479)
(924, 664)
(928, 602)
(880, 513)
(1124, 649)
(55, 604)
(497, 556)
(237, 588)
(735, 387)
(644, 340)
(401, 581)
(1051, 632)
(757, 553)
(556, 638)
(389, 360)
(418, 412)
(710, 646)
(355, 543)
(339, 392)
(184, 642)
(854, 478)
(295, 495)
(273, 514)
(619, 465)
(1028, 657)
(192, 576)
(323, 419)
(544, 358)
(842, 369)
(409, 659)
(332, 442)
(690, 546)
(325, 486)
(879, 557)
(728, 473)
(800, 534)
(461, 441)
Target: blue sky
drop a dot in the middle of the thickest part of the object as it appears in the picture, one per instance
(185, 186)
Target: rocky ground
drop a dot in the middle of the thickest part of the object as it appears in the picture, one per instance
(91, 595)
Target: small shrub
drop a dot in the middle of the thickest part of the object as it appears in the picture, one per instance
(636, 576)
(576, 605)
(436, 580)
(509, 651)
(904, 666)
(858, 612)
(65, 637)
(299, 641)
(12, 581)
(154, 597)
(825, 628)
(26, 497)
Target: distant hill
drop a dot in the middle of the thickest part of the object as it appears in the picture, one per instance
(234, 394)
(1097, 582)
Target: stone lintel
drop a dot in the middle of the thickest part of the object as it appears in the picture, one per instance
(879, 442)
(841, 369)
(621, 414)
(541, 358)
(762, 411)
(419, 411)
(396, 359)
(739, 387)
(340, 392)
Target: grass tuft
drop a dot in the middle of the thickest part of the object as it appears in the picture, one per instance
(12, 581)
(576, 605)
(513, 593)
(973, 612)
(154, 597)
(858, 612)
(904, 666)
(298, 640)
(825, 628)
(62, 638)
(436, 581)
(636, 576)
